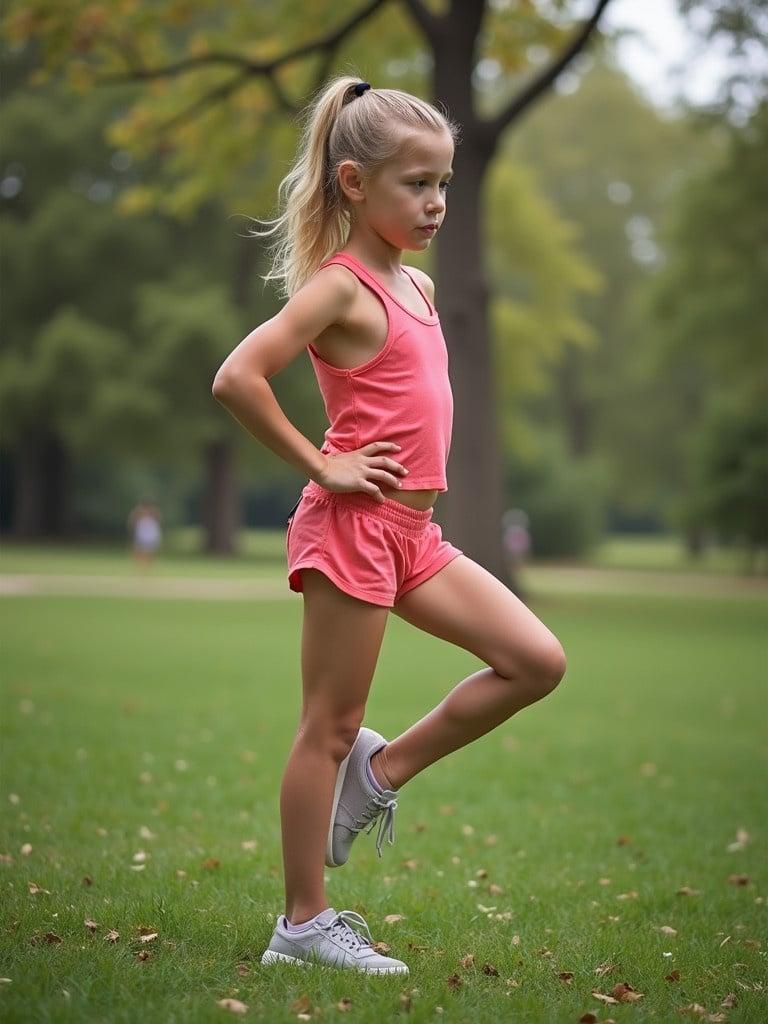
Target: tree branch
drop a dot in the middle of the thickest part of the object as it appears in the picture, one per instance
(249, 67)
(490, 129)
(426, 21)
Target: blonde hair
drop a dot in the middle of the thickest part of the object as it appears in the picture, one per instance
(339, 126)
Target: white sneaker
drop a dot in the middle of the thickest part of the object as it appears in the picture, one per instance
(357, 804)
(332, 941)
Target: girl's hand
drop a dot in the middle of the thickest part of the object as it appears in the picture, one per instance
(360, 470)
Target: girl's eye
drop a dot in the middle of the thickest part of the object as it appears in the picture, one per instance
(443, 184)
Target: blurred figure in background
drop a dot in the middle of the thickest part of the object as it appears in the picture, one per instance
(144, 524)
(516, 537)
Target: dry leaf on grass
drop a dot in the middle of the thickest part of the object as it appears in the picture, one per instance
(394, 918)
(455, 982)
(467, 961)
(233, 1005)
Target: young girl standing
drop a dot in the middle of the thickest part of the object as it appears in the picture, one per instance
(369, 184)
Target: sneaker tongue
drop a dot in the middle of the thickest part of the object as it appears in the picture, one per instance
(326, 917)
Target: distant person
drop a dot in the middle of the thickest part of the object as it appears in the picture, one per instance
(516, 536)
(369, 185)
(146, 534)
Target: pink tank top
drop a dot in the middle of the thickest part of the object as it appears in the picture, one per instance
(402, 394)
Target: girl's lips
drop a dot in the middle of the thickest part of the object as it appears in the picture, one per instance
(430, 229)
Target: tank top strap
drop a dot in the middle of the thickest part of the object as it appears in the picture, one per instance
(361, 271)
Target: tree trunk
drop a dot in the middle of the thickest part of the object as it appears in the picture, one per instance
(575, 409)
(472, 508)
(42, 489)
(27, 518)
(221, 499)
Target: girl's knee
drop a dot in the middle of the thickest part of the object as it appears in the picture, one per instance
(333, 734)
(544, 664)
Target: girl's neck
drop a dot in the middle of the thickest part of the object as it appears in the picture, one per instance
(381, 258)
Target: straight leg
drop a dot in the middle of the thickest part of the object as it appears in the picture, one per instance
(341, 640)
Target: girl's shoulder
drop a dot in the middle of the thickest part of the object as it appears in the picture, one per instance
(424, 280)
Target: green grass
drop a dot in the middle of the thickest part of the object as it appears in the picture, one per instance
(175, 716)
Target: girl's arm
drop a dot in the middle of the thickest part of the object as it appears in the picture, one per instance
(241, 383)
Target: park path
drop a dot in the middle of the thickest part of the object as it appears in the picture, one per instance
(539, 580)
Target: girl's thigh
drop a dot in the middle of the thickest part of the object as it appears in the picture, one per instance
(340, 644)
(468, 606)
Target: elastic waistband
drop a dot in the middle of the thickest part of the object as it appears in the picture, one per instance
(408, 520)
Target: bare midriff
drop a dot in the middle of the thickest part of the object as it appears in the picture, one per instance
(413, 499)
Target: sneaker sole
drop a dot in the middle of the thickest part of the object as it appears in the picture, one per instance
(271, 956)
(342, 774)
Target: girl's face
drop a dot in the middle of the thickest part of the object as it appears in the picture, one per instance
(406, 194)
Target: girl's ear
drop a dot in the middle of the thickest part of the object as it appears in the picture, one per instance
(350, 181)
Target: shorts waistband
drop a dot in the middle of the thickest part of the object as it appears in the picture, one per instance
(408, 520)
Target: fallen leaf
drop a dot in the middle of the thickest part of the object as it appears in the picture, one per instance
(344, 1004)
(604, 968)
(604, 998)
(467, 961)
(211, 862)
(467, 830)
(738, 879)
(90, 925)
(233, 1005)
(301, 1005)
(112, 936)
(381, 947)
(667, 930)
(455, 982)
(394, 918)
(566, 976)
(490, 970)
(625, 993)
(34, 888)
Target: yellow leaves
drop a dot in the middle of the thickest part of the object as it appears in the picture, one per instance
(137, 200)
(393, 918)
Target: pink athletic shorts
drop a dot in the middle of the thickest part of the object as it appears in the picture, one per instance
(375, 551)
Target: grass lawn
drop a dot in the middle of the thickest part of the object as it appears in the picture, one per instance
(142, 747)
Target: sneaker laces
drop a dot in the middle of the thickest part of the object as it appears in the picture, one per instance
(379, 806)
(340, 927)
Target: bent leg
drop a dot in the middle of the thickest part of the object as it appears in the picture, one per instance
(341, 640)
(468, 606)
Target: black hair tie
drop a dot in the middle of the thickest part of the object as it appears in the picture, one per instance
(361, 87)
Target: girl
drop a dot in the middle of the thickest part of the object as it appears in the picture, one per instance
(369, 184)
